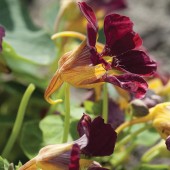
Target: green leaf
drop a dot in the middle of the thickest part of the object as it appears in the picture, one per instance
(30, 42)
(151, 137)
(31, 138)
(4, 164)
(28, 51)
(93, 108)
(52, 129)
(77, 112)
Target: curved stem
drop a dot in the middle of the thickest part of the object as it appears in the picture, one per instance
(19, 120)
(135, 121)
(153, 152)
(105, 103)
(67, 113)
(69, 34)
(131, 136)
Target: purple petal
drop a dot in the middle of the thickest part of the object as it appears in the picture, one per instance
(120, 36)
(130, 82)
(2, 34)
(98, 131)
(92, 26)
(74, 158)
(168, 143)
(135, 61)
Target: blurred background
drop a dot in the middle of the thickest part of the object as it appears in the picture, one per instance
(30, 56)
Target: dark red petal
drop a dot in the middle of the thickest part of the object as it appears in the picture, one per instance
(120, 36)
(89, 14)
(97, 59)
(130, 82)
(92, 26)
(135, 61)
(129, 41)
(83, 126)
(74, 158)
(91, 36)
(115, 27)
(2, 34)
(99, 131)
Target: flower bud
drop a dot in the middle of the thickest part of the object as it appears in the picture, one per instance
(138, 108)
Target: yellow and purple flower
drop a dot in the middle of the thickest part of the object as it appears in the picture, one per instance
(118, 61)
(67, 156)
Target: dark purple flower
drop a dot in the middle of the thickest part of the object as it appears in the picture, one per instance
(122, 45)
(2, 34)
(67, 155)
(96, 131)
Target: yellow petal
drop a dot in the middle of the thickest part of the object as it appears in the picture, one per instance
(30, 165)
(55, 83)
(161, 119)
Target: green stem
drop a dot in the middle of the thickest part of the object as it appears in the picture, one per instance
(105, 103)
(131, 136)
(18, 121)
(67, 113)
(152, 152)
(116, 161)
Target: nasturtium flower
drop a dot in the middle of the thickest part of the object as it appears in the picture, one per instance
(2, 34)
(67, 156)
(159, 116)
(119, 62)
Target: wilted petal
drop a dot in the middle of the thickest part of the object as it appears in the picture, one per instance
(98, 131)
(130, 82)
(120, 36)
(135, 61)
(2, 34)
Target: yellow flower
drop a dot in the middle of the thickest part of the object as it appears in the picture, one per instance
(158, 115)
(161, 119)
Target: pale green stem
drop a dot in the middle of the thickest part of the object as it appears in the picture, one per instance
(131, 136)
(19, 120)
(116, 161)
(67, 113)
(105, 103)
(153, 152)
